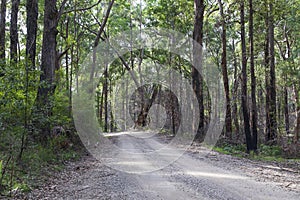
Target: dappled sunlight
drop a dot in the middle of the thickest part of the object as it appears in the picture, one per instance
(215, 175)
(139, 134)
(132, 163)
(115, 134)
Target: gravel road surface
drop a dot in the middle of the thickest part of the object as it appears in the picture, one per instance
(198, 174)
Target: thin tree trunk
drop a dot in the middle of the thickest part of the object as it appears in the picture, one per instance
(297, 128)
(67, 58)
(112, 121)
(253, 79)
(197, 81)
(286, 111)
(98, 37)
(225, 75)
(244, 81)
(267, 81)
(101, 104)
(31, 24)
(146, 104)
(2, 33)
(286, 96)
(272, 111)
(235, 94)
(14, 31)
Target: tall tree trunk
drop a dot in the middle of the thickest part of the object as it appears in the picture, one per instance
(267, 80)
(2, 33)
(272, 111)
(105, 91)
(297, 128)
(48, 66)
(197, 80)
(101, 105)
(31, 23)
(228, 121)
(253, 78)
(67, 58)
(244, 81)
(286, 109)
(286, 96)
(235, 94)
(14, 31)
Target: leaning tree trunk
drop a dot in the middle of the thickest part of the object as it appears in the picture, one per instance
(197, 80)
(14, 31)
(48, 66)
(244, 81)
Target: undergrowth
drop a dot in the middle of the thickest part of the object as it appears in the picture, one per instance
(265, 152)
(37, 163)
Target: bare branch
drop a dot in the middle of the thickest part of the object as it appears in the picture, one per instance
(61, 9)
(82, 9)
(104, 23)
(61, 54)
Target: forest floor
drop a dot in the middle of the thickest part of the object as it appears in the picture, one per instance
(192, 176)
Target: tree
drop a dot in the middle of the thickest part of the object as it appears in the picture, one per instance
(228, 121)
(14, 39)
(2, 30)
(267, 79)
(272, 111)
(197, 80)
(49, 64)
(31, 24)
(244, 81)
(253, 78)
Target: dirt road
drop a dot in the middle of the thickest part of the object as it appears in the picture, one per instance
(195, 175)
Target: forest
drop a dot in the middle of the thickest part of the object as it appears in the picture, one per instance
(45, 44)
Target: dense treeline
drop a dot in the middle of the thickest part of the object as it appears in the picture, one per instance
(42, 43)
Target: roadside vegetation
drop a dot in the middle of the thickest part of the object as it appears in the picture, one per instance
(255, 45)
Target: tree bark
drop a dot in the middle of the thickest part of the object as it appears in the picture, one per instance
(272, 111)
(14, 31)
(48, 65)
(286, 110)
(197, 80)
(235, 95)
(2, 32)
(31, 23)
(228, 121)
(267, 80)
(297, 128)
(105, 91)
(244, 81)
(253, 78)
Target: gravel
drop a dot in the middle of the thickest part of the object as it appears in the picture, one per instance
(198, 174)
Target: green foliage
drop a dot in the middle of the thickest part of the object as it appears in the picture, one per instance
(273, 151)
(36, 164)
(1, 167)
(231, 149)
(265, 153)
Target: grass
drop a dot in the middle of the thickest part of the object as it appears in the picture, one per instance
(265, 153)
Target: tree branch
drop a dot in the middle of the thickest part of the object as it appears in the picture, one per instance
(61, 10)
(104, 23)
(82, 9)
